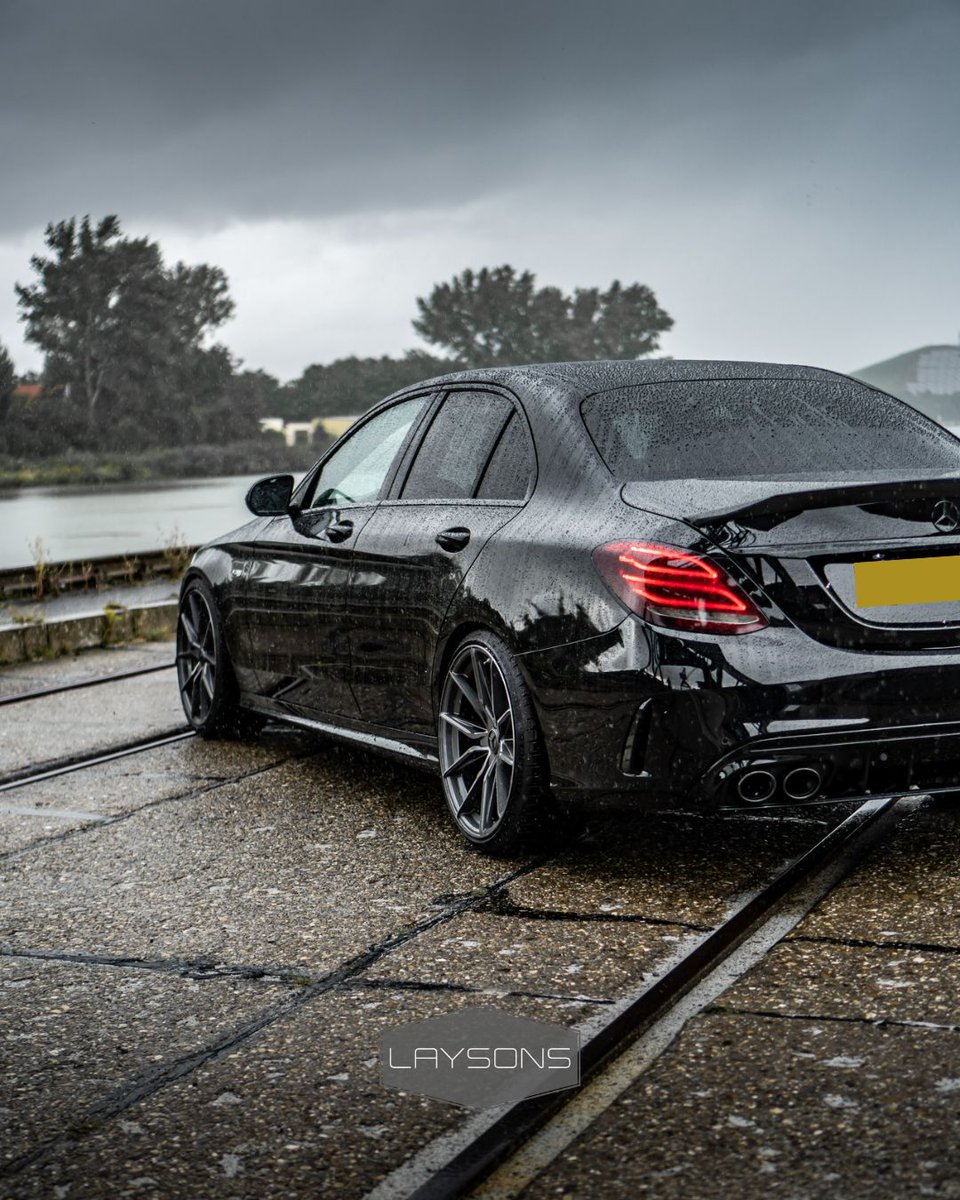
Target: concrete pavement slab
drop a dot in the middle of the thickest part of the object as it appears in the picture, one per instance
(298, 1110)
(87, 664)
(77, 723)
(677, 868)
(908, 892)
(747, 1106)
(578, 958)
(20, 829)
(832, 1068)
(302, 864)
(852, 983)
(52, 807)
(71, 1034)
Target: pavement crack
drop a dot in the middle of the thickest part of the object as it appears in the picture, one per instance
(500, 905)
(52, 814)
(156, 1078)
(876, 1022)
(428, 985)
(869, 944)
(196, 969)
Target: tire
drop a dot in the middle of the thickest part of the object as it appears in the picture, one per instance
(208, 686)
(492, 760)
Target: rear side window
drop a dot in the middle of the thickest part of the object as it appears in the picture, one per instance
(456, 447)
(761, 428)
(511, 468)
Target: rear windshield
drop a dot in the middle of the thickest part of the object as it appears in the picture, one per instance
(761, 428)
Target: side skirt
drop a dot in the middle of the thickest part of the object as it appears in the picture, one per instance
(422, 754)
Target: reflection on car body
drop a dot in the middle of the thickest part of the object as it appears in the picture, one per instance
(573, 585)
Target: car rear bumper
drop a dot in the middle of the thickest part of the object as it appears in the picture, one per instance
(639, 716)
(872, 762)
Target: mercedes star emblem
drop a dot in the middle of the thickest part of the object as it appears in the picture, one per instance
(945, 516)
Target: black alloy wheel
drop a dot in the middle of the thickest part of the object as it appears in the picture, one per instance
(208, 689)
(491, 758)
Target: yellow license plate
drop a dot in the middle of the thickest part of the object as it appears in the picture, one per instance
(907, 581)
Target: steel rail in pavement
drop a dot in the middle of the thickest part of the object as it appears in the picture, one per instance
(56, 688)
(468, 1164)
(80, 762)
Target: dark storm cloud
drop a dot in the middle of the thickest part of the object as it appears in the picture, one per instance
(201, 112)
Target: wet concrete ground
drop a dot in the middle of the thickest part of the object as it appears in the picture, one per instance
(202, 945)
(79, 722)
(831, 1069)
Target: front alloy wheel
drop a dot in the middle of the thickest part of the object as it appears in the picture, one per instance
(208, 688)
(196, 656)
(489, 745)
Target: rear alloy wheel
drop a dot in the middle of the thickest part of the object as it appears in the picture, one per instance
(208, 689)
(491, 758)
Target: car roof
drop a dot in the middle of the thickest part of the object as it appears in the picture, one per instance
(585, 378)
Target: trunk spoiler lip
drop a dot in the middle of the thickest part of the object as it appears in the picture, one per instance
(718, 500)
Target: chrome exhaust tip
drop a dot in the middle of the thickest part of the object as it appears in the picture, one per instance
(757, 786)
(802, 783)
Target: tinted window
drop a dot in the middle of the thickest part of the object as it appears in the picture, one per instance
(456, 447)
(761, 428)
(357, 471)
(510, 471)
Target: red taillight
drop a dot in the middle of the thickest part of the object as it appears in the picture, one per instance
(672, 587)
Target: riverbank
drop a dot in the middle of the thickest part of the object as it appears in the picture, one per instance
(259, 456)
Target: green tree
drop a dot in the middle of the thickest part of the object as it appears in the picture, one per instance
(256, 393)
(112, 319)
(8, 381)
(349, 386)
(8, 376)
(498, 316)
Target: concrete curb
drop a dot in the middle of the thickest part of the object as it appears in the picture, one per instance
(110, 627)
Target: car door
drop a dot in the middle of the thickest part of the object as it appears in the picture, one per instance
(297, 580)
(449, 498)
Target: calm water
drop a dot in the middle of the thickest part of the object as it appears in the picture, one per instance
(84, 522)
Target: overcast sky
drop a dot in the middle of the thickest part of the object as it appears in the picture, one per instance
(785, 174)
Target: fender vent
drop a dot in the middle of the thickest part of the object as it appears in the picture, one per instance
(635, 747)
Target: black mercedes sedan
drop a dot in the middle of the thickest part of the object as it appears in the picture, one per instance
(576, 585)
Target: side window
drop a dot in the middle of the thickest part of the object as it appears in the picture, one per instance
(357, 470)
(456, 447)
(511, 469)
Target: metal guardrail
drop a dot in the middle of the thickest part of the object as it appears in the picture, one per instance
(90, 574)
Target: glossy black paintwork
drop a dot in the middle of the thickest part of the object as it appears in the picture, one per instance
(400, 567)
(351, 636)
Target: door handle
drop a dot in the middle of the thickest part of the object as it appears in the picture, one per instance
(453, 539)
(339, 531)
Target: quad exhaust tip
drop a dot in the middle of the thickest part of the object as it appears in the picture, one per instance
(802, 783)
(757, 786)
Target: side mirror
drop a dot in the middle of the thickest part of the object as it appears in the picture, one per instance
(270, 497)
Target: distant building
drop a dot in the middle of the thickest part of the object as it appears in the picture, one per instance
(927, 378)
(27, 391)
(305, 431)
(335, 426)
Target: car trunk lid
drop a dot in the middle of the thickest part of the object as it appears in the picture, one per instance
(869, 560)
